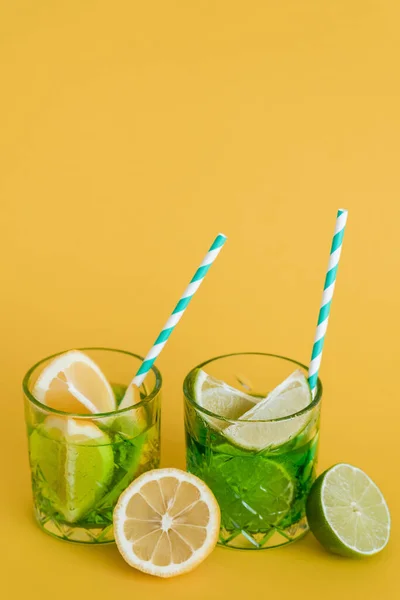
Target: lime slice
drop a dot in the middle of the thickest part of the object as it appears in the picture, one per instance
(347, 512)
(254, 493)
(221, 399)
(128, 456)
(288, 398)
(76, 463)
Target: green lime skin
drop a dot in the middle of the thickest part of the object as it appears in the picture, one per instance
(319, 525)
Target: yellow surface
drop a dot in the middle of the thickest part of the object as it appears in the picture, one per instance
(131, 133)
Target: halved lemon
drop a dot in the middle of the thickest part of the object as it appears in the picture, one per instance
(166, 522)
(73, 383)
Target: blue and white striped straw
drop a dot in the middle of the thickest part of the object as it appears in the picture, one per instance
(179, 310)
(329, 288)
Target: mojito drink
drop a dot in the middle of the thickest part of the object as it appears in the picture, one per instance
(81, 462)
(256, 449)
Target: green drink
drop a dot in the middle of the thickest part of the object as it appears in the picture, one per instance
(81, 463)
(260, 469)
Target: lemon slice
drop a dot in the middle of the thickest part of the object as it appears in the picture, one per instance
(166, 522)
(288, 398)
(220, 399)
(73, 383)
(76, 464)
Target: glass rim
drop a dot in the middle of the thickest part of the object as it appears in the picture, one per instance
(144, 402)
(189, 397)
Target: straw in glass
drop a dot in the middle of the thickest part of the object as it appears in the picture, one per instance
(176, 315)
(329, 288)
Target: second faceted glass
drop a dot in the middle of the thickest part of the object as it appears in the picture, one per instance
(260, 471)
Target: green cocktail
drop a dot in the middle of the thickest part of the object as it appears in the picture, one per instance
(257, 454)
(81, 463)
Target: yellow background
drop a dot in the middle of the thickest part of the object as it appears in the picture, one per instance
(130, 134)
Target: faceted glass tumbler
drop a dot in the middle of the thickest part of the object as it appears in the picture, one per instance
(81, 463)
(261, 490)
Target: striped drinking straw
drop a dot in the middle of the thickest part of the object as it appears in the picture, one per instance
(329, 288)
(178, 311)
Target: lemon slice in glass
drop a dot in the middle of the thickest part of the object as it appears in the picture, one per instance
(73, 383)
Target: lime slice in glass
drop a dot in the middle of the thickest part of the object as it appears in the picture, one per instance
(254, 493)
(128, 456)
(76, 461)
(288, 398)
(220, 399)
(347, 512)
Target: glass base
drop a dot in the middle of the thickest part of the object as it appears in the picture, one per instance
(244, 540)
(71, 533)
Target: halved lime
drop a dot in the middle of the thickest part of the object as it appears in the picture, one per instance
(288, 398)
(220, 398)
(76, 462)
(347, 512)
